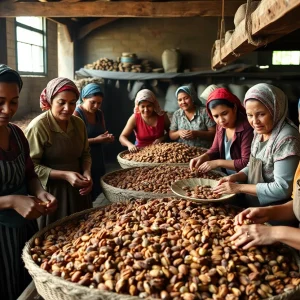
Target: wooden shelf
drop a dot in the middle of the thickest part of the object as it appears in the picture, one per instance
(272, 20)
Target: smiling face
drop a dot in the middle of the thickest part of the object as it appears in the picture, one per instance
(146, 108)
(185, 101)
(224, 115)
(92, 104)
(259, 117)
(63, 106)
(9, 101)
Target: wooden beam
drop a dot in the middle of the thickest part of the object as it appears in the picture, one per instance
(117, 9)
(271, 20)
(86, 29)
(3, 39)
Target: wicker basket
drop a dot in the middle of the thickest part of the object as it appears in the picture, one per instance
(114, 194)
(125, 163)
(51, 287)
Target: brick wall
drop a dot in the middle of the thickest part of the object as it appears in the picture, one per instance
(148, 38)
(33, 85)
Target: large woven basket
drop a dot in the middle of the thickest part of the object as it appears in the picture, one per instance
(125, 163)
(114, 194)
(51, 287)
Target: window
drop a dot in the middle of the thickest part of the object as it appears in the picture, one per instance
(286, 58)
(31, 45)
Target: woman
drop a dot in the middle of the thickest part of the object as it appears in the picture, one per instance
(190, 123)
(18, 180)
(275, 150)
(258, 234)
(60, 149)
(231, 147)
(88, 110)
(149, 122)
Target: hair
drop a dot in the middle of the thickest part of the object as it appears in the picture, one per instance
(9, 77)
(215, 103)
(94, 95)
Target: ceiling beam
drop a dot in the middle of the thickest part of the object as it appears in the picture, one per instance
(86, 29)
(120, 9)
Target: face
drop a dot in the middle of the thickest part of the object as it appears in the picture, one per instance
(146, 108)
(92, 104)
(224, 116)
(9, 101)
(63, 106)
(185, 101)
(259, 117)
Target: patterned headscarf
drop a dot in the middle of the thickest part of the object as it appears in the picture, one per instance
(89, 89)
(224, 94)
(276, 102)
(55, 86)
(190, 91)
(5, 70)
(147, 95)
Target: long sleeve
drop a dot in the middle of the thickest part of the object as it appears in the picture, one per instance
(214, 151)
(281, 187)
(86, 156)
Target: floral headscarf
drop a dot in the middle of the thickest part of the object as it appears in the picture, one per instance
(276, 102)
(55, 86)
(147, 95)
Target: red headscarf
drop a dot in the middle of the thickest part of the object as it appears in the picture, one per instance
(224, 94)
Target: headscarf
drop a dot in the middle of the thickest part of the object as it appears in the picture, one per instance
(5, 70)
(89, 89)
(147, 95)
(224, 94)
(275, 100)
(55, 86)
(190, 91)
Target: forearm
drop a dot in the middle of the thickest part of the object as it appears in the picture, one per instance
(291, 239)
(239, 177)
(249, 189)
(174, 135)
(227, 164)
(283, 212)
(124, 141)
(86, 167)
(93, 141)
(57, 175)
(35, 187)
(6, 202)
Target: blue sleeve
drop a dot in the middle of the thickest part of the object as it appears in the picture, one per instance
(282, 186)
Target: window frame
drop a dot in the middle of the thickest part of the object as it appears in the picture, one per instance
(45, 52)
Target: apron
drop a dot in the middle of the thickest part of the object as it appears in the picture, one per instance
(296, 201)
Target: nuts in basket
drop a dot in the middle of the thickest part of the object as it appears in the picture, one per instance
(153, 179)
(201, 192)
(165, 153)
(166, 249)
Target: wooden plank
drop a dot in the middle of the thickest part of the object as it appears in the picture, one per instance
(271, 20)
(3, 41)
(117, 9)
(86, 29)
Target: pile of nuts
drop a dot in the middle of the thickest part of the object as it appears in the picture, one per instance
(201, 192)
(153, 179)
(165, 153)
(165, 249)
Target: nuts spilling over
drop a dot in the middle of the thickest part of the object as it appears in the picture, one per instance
(165, 153)
(165, 249)
(201, 192)
(153, 179)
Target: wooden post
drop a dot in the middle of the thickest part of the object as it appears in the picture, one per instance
(3, 41)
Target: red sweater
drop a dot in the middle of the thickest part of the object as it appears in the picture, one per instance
(241, 143)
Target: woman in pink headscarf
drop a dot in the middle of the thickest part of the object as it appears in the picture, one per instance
(59, 149)
(149, 123)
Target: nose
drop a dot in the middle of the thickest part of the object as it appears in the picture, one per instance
(5, 108)
(255, 120)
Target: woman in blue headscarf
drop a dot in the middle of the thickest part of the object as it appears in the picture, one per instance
(191, 124)
(88, 109)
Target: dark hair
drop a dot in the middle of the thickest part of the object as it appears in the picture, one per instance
(215, 103)
(94, 95)
(10, 77)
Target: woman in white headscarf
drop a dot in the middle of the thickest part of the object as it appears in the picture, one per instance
(275, 150)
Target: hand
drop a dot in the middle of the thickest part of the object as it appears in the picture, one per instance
(132, 148)
(248, 236)
(27, 206)
(77, 180)
(86, 190)
(196, 162)
(208, 165)
(226, 185)
(104, 138)
(159, 140)
(187, 134)
(258, 215)
(48, 200)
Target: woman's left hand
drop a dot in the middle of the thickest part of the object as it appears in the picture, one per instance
(86, 190)
(248, 236)
(48, 200)
(188, 134)
(227, 187)
(159, 140)
(207, 166)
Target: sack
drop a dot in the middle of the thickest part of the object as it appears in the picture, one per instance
(171, 103)
(171, 60)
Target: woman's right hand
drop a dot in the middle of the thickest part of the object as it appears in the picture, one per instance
(104, 138)
(196, 162)
(76, 179)
(258, 215)
(132, 148)
(28, 207)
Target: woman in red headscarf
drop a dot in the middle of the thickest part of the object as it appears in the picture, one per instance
(232, 143)
(59, 149)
